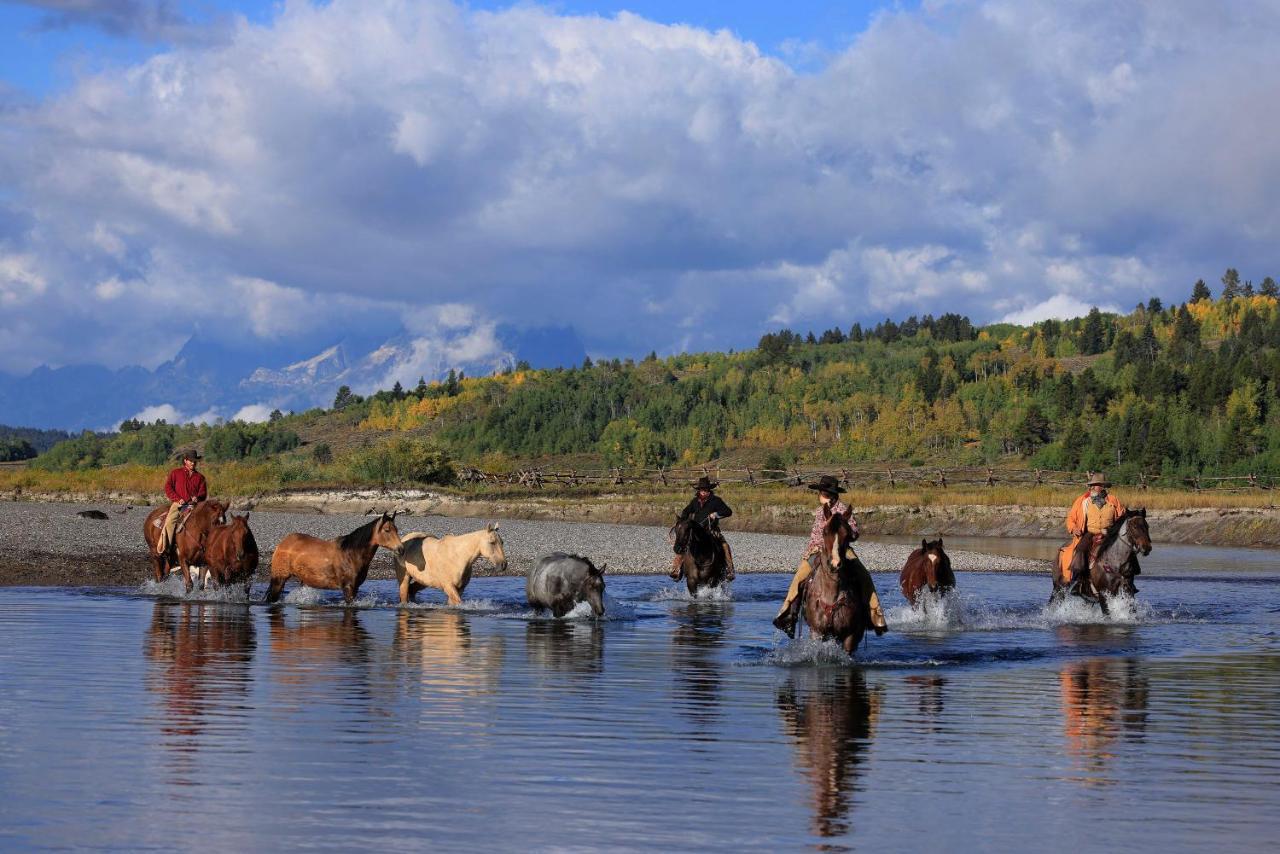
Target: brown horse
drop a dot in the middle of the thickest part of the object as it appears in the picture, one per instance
(834, 602)
(1112, 572)
(187, 547)
(927, 566)
(231, 554)
(341, 564)
(701, 556)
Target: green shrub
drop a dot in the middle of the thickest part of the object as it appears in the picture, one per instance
(402, 461)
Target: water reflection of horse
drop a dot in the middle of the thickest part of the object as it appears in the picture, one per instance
(340, 564)
(833, 600)
(926, 567)
(1103, 699)
(701, 556)
(306, 646)
(695, 658)
(1113, 570)
(830, 716)
(568, 646)
(187, 546)
(200, 656)
(445, 660)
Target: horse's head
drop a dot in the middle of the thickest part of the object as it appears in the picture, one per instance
(386, 535)
(837, 536)
(491, 547)
(679, 534)
(1139, 534)
(212, 511)
(246, 547)
(592, 589)
(937, 561)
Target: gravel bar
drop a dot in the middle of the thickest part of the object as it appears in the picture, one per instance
(51, 545)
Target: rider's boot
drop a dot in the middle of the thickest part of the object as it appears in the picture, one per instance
(878, 622)
(728, 557)
(786, 620)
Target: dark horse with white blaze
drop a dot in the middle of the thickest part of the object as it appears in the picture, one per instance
(926, 567)
(1113, 571)
(700, 552)
(833, 599)
(341, 564)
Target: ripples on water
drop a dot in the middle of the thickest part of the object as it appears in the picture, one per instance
(133, 719)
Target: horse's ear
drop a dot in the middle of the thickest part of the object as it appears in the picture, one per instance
(602, 569)
(924, 544)
(493, 526)
(1143, 512)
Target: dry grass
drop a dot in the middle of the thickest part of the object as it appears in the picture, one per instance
(246, 479)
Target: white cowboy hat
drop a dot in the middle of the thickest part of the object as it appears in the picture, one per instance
(1098, 479)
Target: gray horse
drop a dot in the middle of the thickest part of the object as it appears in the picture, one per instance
(559, 581)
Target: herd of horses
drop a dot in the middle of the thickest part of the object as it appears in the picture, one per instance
(834, 606)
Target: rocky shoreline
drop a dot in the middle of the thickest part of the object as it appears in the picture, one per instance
(50, 544)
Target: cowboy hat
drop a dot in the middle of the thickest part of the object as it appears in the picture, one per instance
(706, 483)
(191, 454)
(827, 483)
(1098, 479)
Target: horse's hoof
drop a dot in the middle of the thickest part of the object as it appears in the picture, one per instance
(782, 624)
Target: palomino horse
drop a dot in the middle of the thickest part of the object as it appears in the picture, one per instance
(341, 564)
(230, 554)
(187, 547)
(1113, 570)
(927, 566)
(834, 602)
(445, 563)
(701, 556)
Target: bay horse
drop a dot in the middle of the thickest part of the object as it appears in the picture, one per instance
(188, 542)
(231, 554)
(701, 556)
(927, 566)
(445, 563)
(1116, 565)
(338, 564)
(833, 600)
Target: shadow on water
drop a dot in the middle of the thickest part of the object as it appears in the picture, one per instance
(1103, 700)
(695, 659)
(200, 661)
(830, 717)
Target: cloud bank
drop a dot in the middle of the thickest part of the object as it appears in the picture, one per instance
(658, 187)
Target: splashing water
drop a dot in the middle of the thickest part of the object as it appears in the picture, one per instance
(680, 593)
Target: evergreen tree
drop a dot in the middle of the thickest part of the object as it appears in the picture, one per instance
(397, 391)
(1200, 291)
(343, 398)
(1268, 288)
(1092, 336)
(1154, 306)
(421, 391)
(1230, 284)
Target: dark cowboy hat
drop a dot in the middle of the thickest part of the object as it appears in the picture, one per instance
(706, 483)
(190, 454)
(827, 483)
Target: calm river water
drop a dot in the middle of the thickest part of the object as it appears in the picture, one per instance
(134, 720)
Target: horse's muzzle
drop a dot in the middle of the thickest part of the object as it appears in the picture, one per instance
(399, 550)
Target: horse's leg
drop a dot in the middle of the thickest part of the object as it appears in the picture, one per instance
(451, 593)
(186, 572)
(348, 593)
(1102, 603)
(849, 644)
(277, 584)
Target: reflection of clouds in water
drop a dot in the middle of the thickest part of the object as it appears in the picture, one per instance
(200, 656)
(830, 716)
(1103, 699)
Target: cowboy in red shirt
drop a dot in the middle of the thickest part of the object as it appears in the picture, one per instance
(185, 487)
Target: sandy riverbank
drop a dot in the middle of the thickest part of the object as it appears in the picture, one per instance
(48, 544)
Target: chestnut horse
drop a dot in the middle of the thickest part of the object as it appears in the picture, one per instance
(701, 556)
(231, 554)
(1113, 571)
(340, 564)
(187, 547)
(834, 602)
(445, 563)
(926, 566)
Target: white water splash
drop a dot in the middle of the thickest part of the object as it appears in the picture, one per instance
(1072, 610)
(807, 650)
(469, 606)
(173, 587)
(680, 593)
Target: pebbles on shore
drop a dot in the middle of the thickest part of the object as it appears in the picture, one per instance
(49, 544)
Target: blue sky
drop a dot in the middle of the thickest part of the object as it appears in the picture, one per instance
(674, 177)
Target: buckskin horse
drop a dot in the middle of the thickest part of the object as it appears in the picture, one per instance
(340, 564)
(927, 566)
(445, 563)
(833, 600)
(188, 543)
(1113, 570)
(701, 556)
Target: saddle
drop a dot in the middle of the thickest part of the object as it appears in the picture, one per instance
(158, 524)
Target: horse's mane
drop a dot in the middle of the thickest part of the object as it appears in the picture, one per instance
(1113, 532)
(360, 537)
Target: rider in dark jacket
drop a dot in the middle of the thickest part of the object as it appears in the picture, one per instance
(706, 505)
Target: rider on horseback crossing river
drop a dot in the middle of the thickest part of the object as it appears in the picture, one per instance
(829, 504)
(1087, 522)
(185, 487)
(706, 505)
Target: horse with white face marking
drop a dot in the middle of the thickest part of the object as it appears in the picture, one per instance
(927, 566)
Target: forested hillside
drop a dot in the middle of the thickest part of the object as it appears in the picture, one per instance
(1178, 391)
